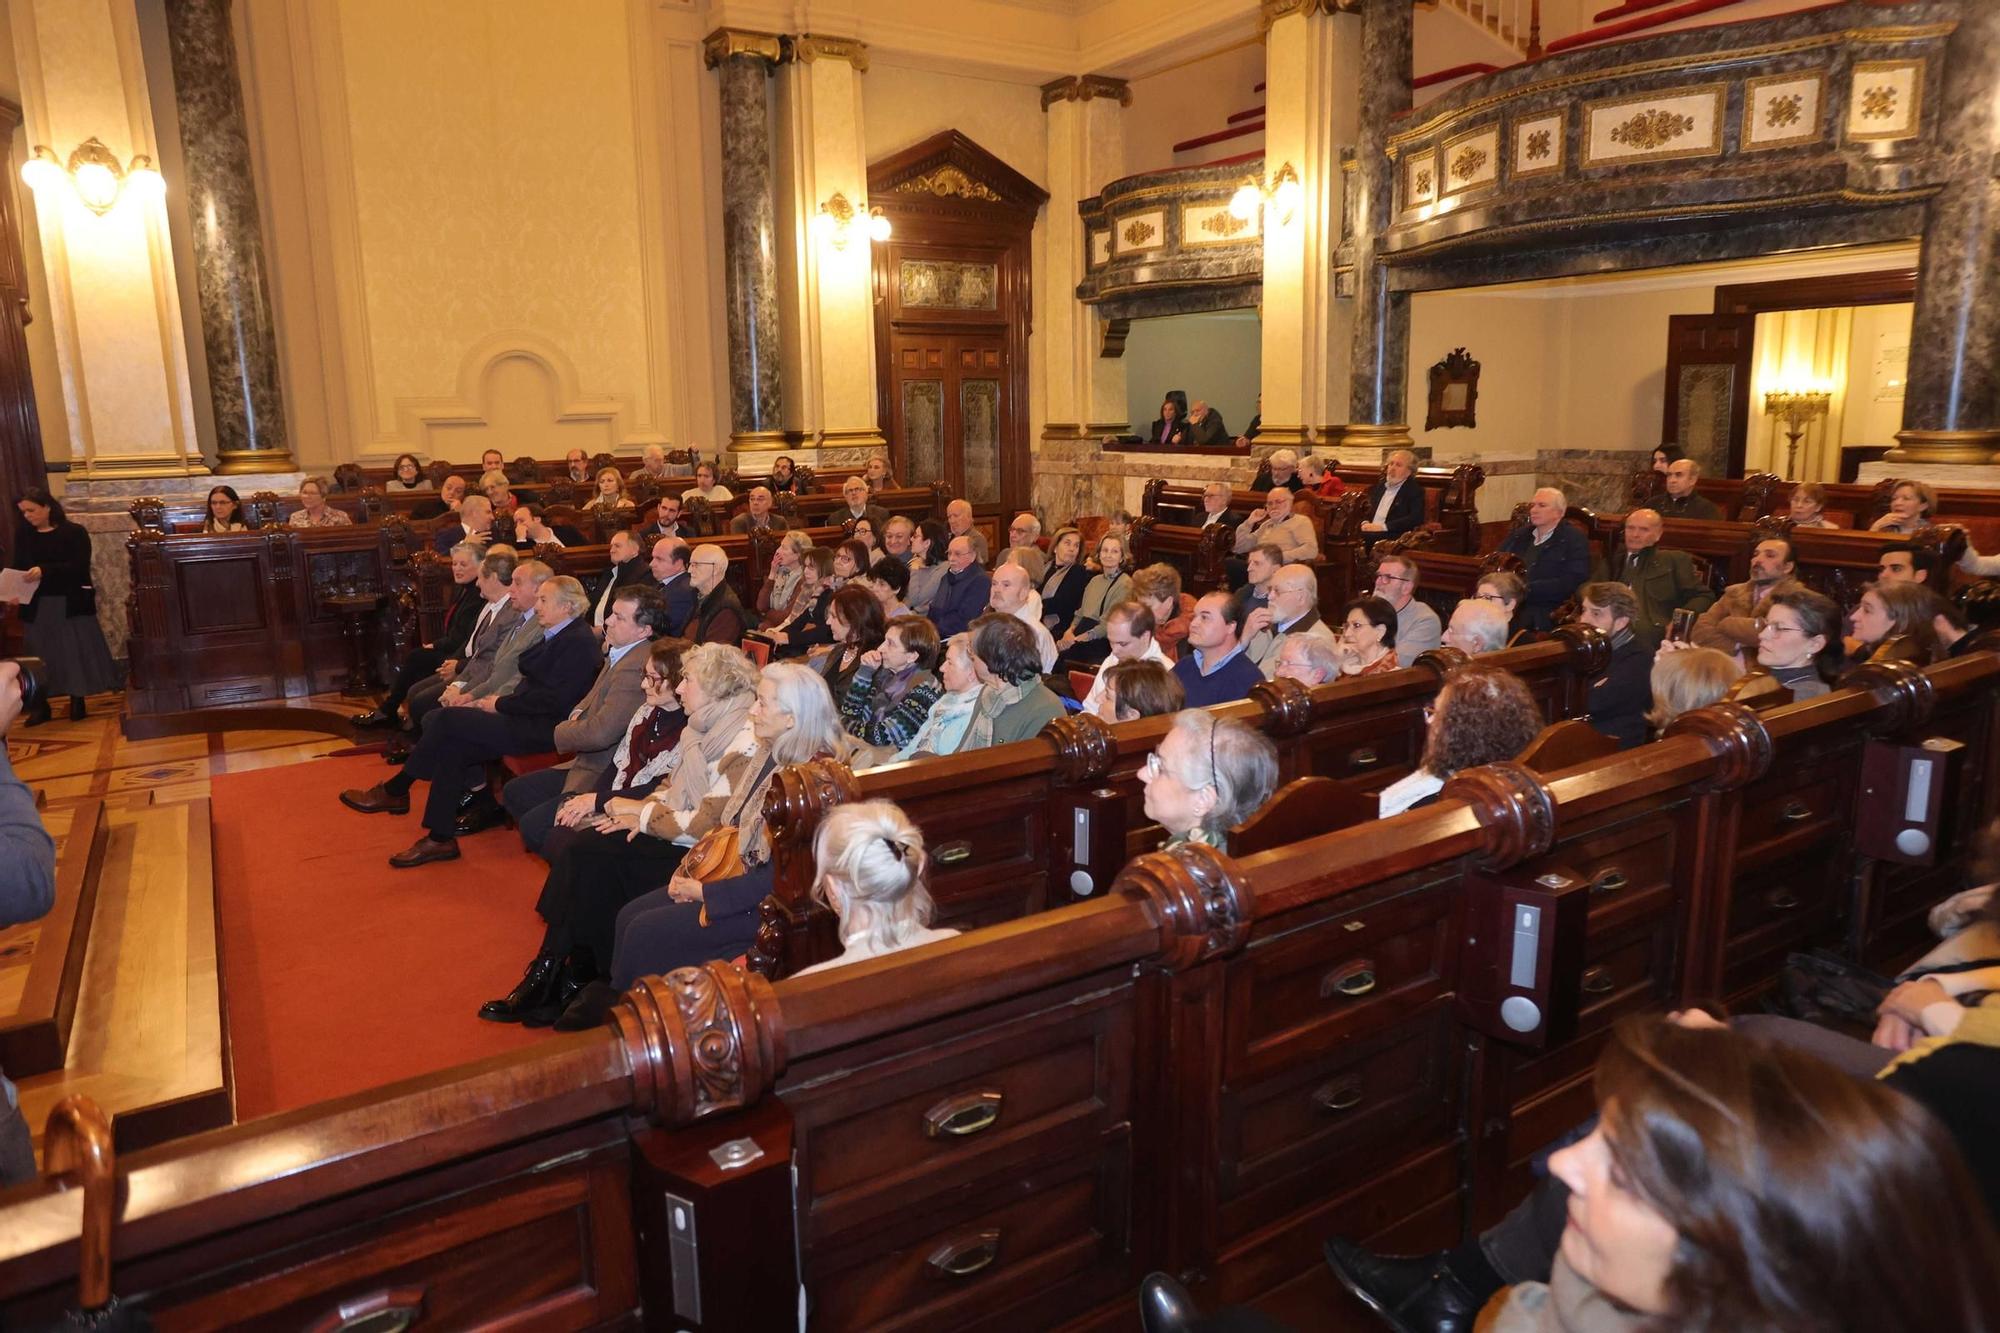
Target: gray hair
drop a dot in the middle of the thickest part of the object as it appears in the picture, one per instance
(1244, 767)
(571, 594)
(490, 478)
(1485, 622)
(1560, 500)
(816, 728)
(1030, 559)
(1285, 458)
(1320, 654)
(1035, 524)
(721, 672)
(878, 856)
(476, 550)
(1407, 455)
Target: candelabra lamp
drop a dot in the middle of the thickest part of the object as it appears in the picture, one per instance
(1798, 409)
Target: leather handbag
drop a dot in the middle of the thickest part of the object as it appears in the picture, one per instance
(715, 855)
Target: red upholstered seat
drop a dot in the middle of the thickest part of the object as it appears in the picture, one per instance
(520, 765)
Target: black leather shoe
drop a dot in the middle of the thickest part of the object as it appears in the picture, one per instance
(76, 708)
(375, 800)
(570, 982)
(534, 989)
(374, 717)
(479, 815)
(1165, 1306)
(1417, 1295)
(588, 1009)
(467, 800)
(398, 752)
(424, 851)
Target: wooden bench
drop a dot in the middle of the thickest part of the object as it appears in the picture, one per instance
(1849, 504)
(1451, 498)
(41, 961)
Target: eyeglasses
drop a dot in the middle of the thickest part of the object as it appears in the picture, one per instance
(1488, 597)
(1392, 578)
(1776, 628)
(652, 678)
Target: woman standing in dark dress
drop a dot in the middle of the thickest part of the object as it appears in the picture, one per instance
(61, 618)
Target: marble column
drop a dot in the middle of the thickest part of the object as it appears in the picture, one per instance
(1377, 414)
(1951, 402)
(743, 62)
(236, 328)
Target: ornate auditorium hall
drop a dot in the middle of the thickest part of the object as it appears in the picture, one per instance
(1162, 665)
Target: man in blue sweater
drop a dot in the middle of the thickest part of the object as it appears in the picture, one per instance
(1213, 668)
(963, 592)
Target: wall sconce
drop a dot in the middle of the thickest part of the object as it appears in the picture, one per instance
(1798, 408)
(1282, 195)
(94, 173)
(837, 218)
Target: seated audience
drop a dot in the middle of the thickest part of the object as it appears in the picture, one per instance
(1134, 689)
(451, 490)
(225, 511)
(1731, 624)
(958, 522)
(1681, 499)
(1208, 775)
(1417, 628)
(929, 543)
(1557, 554)
(1662, 581)
(784, 475)
(1032, 559)
(1685, 678)
(1893, 623)
(850, 558)
(871, 865)
(1367, 637)
(1293, 611)
(1205, 425)
(576, 466)
(669, 565)
(947, 728)
(707, 486)
(757, 515)
(495, 486)
(1215, 508)
(1807, 506)
(1954, 631)
(1618, 699)
(643, 759)
(733, 746)
(652, 465)
(1316, 475)
(494, 621)
(1277, 522)
(459, 618)
(1015, 704)
(856, 624)
(886, 581)
(492, 460)
(532, 528)
(1083, 639)
(610, 490)
(1911, 505)
(475, 524)
(1214, 669)
(313, 510)
(1282, 469)
(1509, 592)
(718, 615)
(1171, 428)
(1395, 504)
(1309, 660)
(778, 595)
(804, 625)
(626, 570)
(1158, 589)
(896, 535)
(1904, 562)
(876, 473)
(1664, 457)
(1259, 567)
(891, 692)
(963, 591)
(1066, 578)
(1025, 530)
(1011, 592)
(1128, 629)
(1799, 642)
(1476, 627)
(862, 534)
(854, 491)
(668, 521)
(1482, 716)
(408, 476)
(591, 733)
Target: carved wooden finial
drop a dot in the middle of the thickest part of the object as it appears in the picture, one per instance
(1287, 705)
(1085, 748)
(1515, 808)
(1910, 694)
(1443, 659)
(1200, 900)
(1590, 648)
(800, 794)
(700, 1041)
(1736, 736)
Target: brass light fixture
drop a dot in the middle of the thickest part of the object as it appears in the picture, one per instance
(95, 174)
(1798, 409)
(837, 219)
(1282, 196)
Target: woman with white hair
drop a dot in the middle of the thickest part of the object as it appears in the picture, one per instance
(870, 862)
(1209, 774)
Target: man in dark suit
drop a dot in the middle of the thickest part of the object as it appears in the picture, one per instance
(757, 517)
(475, 524)
(1618, 700)
(627, 571)
(667, 522)
(1556, 553)
(554, 674)
(670, 571)
(1205, 425)
(1395, 504)
(1662, 581)
(719, 615)
(459, 618)
(1681, 499)
(1215, 510)
(474, 661)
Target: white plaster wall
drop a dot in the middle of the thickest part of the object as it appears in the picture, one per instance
(1188, 101)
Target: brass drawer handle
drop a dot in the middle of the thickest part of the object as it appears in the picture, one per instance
(1597, 981)
(1353, 981)
(965, 1256)
(389, 1310)
(1782, 899)
(950, 853)
(1795, 811)
(1609, 881)
(1337, 1097)
(962, 1116)
(1365, 757)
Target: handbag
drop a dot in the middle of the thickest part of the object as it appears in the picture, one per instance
(715, 855)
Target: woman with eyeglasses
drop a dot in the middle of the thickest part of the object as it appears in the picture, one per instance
(409, 475)
(1367, 637)
(225, 511)
(1504, 589)
(1208, 775)
(1482, 716)
(642, 758)
(1799, 642)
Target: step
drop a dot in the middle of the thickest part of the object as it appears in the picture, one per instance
(41, 962)
(1454, 72)
(1254, 113)
(1220, 136)
(1657, 18)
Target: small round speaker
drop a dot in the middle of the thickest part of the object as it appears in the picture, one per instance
(1520, 1013)
(1913, 842)
(1081, 884)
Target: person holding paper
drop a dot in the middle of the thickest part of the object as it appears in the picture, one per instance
(59, 609)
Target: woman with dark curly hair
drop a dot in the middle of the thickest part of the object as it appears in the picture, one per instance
(857, 624)
(1482, 716)
(1367, 637)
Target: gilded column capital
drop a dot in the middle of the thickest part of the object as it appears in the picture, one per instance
(1278, 9)
(1084, 88)
(807, 47)
(723, 43)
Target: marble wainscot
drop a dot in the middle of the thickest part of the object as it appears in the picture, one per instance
(1597, 478)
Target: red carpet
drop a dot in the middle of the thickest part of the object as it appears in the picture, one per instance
(340, 974)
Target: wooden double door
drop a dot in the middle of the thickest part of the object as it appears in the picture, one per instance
(950, 403)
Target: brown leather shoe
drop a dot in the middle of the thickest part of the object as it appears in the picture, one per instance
(375, 800)
(424, 851)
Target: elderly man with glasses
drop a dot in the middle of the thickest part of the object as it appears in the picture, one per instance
(1417, 627)
(718, 615)
(1293, 611)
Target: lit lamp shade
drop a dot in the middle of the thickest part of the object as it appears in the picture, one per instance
(42, 171)
(878, 226)
(1243, 204)
(144, 181)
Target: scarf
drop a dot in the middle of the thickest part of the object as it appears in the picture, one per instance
(703, 744)
(947, 710)
(993, 701)
(784, 590)
(647, 723)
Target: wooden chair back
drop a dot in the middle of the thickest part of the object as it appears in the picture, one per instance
(1303, 808)
(1565, 745)
(1759, 689)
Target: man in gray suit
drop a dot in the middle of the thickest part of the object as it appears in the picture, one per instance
(492, 626)
(505, 669)
(596, 726)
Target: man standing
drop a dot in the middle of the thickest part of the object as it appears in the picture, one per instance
(855, 492)
(963, 591)
(1395, 504)
(1732, 624)
(758, 516)
(1417, 628)
(1205, 425)
(1010, 592)
(670, 571)
(1476, 627)
(1556, 553)
(718, 616)
(1681, 499)
(1662, 581)
(626, 571)
(1294, 610)
(475, 524)
(1213, 669)
(958, 522)
(1128, 629)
